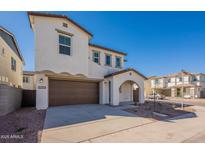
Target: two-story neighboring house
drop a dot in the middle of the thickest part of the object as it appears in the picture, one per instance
(11, 61)
(11, 72)
(29, 81)
(71, 70)
(182, 84)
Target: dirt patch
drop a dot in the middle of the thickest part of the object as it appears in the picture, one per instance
(169, 109)
(23, 125)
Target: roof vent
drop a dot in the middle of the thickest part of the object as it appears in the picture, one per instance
(65, 25)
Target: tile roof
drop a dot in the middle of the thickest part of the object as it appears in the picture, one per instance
(186, 85)
(28, 73)
(182, 73)
(109, 49)
(125, 70)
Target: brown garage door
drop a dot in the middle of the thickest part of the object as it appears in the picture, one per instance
(62, 92)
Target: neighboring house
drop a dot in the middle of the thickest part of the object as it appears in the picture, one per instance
(71, 70)
(29, 80)
(11, 72)
(147, 84)
(182, 84)
(29, 89)
(11, 61)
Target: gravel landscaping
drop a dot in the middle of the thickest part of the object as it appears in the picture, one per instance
(169, 110)
(23, 125)
(26, 124)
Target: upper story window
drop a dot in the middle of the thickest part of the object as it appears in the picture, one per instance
(13, 64)
(156, 82)
(2, 51)
(96, 57)
(180, 79)
(194, 79)
(203, 79)
(118, 62)
(108, 60)
(25, 79)
(169, 81)
(64, 45)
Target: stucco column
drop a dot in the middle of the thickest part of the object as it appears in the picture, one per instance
(197, 92)
(182, 92)
(114, 93)
(141, 94)
(173, 92)
(41, 92)
(102, 92)
(131, 94)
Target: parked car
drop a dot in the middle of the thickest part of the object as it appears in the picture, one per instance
(156, 96)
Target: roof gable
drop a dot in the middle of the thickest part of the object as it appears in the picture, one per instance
(58, 16)
(124, 71)
(10, 40)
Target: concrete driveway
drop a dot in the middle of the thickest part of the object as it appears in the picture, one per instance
(101, 123)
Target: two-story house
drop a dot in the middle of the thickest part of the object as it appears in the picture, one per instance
(182, 84)
(29, 80)
(11, 60)
(11, 72)
(71, 70)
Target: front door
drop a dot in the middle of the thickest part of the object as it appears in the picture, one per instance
(136, 95)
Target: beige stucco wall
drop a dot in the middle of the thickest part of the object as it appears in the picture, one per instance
(148, 88)
(116, 82)
(100, 70)
(47, 47)
(80, 61)
(172, 83)
(161, 83)
(41, 92)
(126, 93)
(7, 75)
(120, 79)
(31, 85)
(47, 57)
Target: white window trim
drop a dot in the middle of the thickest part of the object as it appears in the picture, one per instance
(110, 59)
(94, 51)
(180, 79)
(64, 44)
(13, 60)
(2, 51)
(116, 62)
(26, 79)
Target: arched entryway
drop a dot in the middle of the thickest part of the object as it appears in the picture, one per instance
(120, 86)
(136, 93)
(129, 92)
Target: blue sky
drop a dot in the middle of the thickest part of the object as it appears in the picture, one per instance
(157, 43)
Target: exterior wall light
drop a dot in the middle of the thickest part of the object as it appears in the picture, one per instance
(41, 80)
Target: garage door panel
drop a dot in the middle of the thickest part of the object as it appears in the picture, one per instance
(71, 92)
